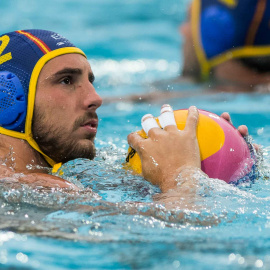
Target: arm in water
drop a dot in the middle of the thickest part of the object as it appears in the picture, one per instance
(35, 179)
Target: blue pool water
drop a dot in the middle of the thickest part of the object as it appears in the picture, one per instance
(113, 223)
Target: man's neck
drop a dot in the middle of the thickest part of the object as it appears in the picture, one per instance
(18, 155)
(232, 76)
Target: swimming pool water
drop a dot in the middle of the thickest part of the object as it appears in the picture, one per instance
(113, 223)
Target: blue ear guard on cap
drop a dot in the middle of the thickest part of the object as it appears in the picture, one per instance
(12, 102)
(218, 28)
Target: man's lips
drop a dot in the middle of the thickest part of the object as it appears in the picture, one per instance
(91, 125)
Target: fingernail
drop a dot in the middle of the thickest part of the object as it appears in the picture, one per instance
(146, 116)
(193, 108)
(166, 117)
(166, 108)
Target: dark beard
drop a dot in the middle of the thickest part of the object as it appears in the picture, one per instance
(57, 145)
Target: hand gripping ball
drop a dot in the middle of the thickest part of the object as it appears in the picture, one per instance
(224, 152)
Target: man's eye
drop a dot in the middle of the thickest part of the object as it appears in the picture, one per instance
(66, 80)
(91, 78)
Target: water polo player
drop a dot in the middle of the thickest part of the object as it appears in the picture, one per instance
(48, 114)
(48, 104)
(228, 40)
(225, 43)
(39, 73)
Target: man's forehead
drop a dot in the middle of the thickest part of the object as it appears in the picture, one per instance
(73, 60)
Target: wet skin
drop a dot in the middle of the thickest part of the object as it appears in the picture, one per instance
(65, 121)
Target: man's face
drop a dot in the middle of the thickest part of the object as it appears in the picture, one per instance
(191, 66)
(65, 120)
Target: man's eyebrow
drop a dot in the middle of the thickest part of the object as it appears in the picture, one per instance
(69, 71)
(76, 71)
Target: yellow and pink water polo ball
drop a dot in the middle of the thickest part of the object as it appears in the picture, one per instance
(224, 152)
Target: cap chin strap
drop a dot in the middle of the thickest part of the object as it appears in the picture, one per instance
(56, 167)
(33, 143)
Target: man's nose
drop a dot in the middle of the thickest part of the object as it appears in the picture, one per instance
(92, 100)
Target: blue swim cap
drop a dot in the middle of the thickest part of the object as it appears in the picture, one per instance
(22, 56)
(226, 29)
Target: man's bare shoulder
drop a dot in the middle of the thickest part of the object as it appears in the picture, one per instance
(34, 179)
